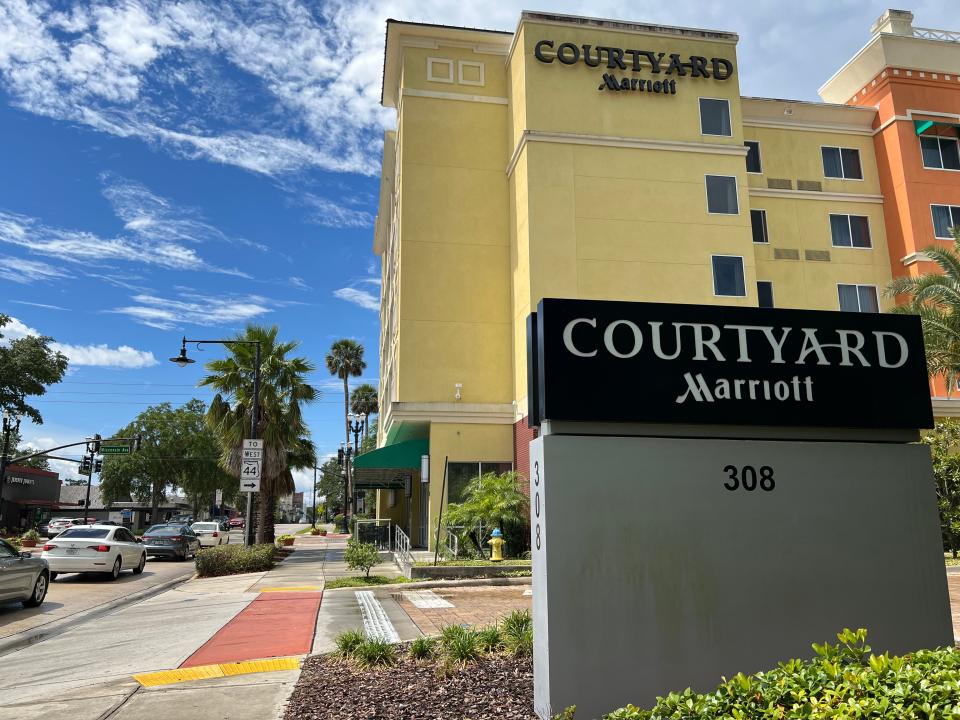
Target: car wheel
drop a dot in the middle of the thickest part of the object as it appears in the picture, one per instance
(39, 591)
(139, 568)
(115, 573)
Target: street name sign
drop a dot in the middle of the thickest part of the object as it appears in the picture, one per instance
(748, 483)
(114, 449)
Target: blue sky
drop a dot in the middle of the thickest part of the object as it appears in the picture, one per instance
(184, 168)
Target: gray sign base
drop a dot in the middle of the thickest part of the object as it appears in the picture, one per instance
(658, 577)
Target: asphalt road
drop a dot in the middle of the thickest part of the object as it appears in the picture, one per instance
(74, 593)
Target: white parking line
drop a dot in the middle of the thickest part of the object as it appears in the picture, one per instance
(426, 599)
(376, 624)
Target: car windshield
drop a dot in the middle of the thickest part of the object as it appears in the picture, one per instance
(205, 526)
(164, 530)
(84, 533)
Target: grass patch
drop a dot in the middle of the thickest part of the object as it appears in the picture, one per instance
(347, 642)
(235, 559)
(375, 653)
(472, 563)
(950, 560)
(362, 581)
(304, 531)
(423, 648)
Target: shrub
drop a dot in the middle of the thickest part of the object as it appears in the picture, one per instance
(361, 556)
(15, 541)
(460, 645)
(374, 652)
(323, 532)
(31, 535)
(348, 641)
(235, 559)
(489, 639)
(518, 633)
(423, 648)
(338, 521)
(844, 680)
(279, 540)
(314, 531)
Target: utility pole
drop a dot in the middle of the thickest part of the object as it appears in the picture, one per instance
(93, 447)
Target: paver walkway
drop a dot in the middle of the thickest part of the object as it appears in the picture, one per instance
(462, 605)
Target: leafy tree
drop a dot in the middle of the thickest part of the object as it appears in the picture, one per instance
(178, 450)
(330, 485)
(361, 556)
(944, 443)
(369, 441)
(280, 424)
(27, 366)
(935, 297)
(363, 401)
(492, 500)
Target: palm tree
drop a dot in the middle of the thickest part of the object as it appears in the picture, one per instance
(363, 401)
(935, 297)
(345, 360)
(283, 390)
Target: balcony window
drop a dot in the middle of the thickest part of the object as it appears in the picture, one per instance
(858, 298)
(722, 195)
(758, 223)
(728, 276)
(850, 231)
(945, 217)
(765, 293)
(715, 117)
(939, 153)
(753, 157)
(842, 163)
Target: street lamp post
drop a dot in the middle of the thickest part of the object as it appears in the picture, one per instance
(355, 427)
(343, 458)
(182, 360)
(314, 496)
(11, 424)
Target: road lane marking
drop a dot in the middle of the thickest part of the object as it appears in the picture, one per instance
(376, 624)
(202, 672)
(426, 599)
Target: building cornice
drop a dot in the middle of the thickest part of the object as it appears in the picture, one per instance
(455, 412)
(816, 195)
(437, 95)
(807, 127)
(621, 142)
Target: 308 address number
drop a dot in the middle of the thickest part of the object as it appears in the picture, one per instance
(749, 479)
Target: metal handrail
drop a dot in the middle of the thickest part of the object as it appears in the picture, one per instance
(402, 546)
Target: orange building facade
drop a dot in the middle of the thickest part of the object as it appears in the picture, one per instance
(911, 76)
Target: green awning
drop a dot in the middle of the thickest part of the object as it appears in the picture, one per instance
(921, 126)
(388, 467)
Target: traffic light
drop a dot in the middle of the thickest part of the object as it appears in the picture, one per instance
(96, 444)
(84, 466)
(98, 466)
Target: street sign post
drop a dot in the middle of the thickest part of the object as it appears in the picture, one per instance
(114, 449)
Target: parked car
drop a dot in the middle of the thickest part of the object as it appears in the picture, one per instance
(176, 541)
(181, 519)
(94, 549)
(23, 577)
(237, 523)
(58, 525)
(210, 533)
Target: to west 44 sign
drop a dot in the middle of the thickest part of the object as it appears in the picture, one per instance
(602, 361)
(250, 465)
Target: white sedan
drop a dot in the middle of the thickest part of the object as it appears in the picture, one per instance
(210, 534)
(104, 549)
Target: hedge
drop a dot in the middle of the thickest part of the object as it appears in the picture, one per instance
(843, 681)
(235, 559)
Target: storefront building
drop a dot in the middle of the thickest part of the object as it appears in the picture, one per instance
(597, 159)
(29, 497)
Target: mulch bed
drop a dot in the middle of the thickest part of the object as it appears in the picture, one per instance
(495, 686)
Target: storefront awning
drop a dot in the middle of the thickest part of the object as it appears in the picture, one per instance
(386, 468)
(921, 126)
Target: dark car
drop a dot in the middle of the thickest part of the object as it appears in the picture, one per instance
(176, 541)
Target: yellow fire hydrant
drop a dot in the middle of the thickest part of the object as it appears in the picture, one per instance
(496, 542)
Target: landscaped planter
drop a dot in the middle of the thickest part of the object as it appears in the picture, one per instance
(287, 542)
(28, 543)
(448, 572)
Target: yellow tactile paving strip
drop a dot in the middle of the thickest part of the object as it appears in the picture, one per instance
(292, 588)
(202, 672)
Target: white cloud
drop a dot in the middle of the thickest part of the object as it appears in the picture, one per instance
(365, 299)
(39, 305)
(194, 309)
(20, 270)
(89, 355)
(329, 214)
(299, 283)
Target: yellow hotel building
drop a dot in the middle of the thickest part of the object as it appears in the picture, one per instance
(588, 158)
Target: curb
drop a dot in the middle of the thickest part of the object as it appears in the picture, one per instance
(439, 584)
(41, 632)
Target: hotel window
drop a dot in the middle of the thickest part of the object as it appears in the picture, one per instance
(945, 217)
(850, 231)
(843, 163)
(939, 153)
(753, 157)
(858, 298)
(728, 276)
(722, 195)
(765, 293)
(459, 475)
(715, 117)
(758, 222)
